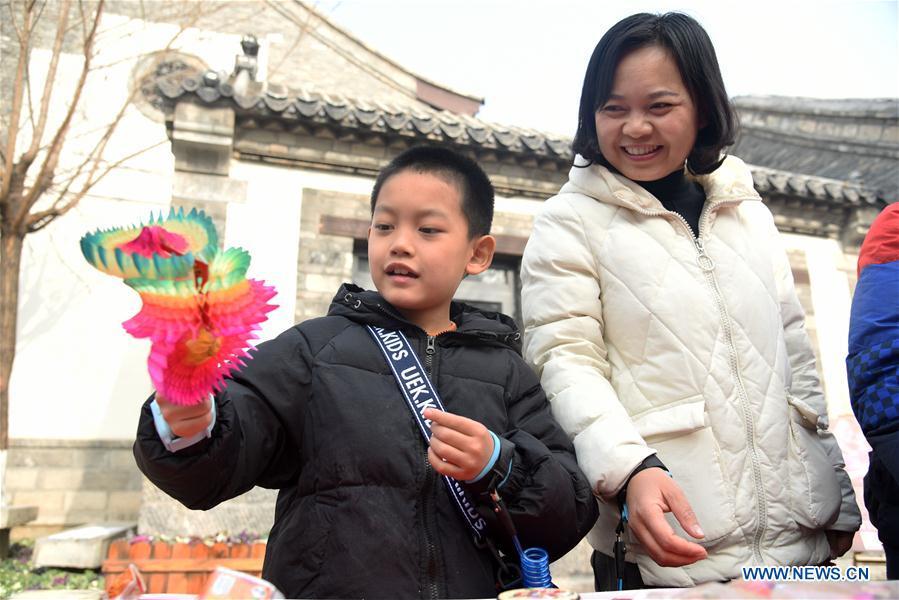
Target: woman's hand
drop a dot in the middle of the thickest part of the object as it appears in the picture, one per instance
(185, 421)
(840, 542)
(460, 447)
(650, 494)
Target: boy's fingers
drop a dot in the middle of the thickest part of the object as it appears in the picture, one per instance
(173, 419)
(186, 421)
(443, 467)
(447, 452)
(450, 436)
(182, 413)
(186, 427)
(178, 411)
(475, 448)
(453, 421)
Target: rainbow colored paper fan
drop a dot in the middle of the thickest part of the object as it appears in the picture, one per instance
(164, 248)
(199, 309)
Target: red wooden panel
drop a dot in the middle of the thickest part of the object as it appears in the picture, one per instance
(139, 550)
(196, 580)
(157, 582)
(118, 549)
(177, 583)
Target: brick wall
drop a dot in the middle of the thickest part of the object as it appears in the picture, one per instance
(72, 482)
(252, 512)
(325, 261)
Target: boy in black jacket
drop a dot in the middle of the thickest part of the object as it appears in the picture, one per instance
(362, 509)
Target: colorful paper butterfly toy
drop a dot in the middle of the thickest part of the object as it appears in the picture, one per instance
(199, 309)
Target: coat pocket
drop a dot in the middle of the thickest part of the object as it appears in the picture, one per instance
(316, 517)
(687, 446)
(815, 492)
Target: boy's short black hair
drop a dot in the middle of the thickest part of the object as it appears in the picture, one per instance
(473, 184)
(690, 47)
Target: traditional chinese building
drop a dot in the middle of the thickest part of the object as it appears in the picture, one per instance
(279, 135)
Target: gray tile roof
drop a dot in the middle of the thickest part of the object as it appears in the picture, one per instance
(846, 140)
(258, 104)
(880, 108)
(817, 189)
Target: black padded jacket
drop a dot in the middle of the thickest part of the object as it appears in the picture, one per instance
(360, 513)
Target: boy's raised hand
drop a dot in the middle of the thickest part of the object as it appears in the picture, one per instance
(460, 447)
(185, 421)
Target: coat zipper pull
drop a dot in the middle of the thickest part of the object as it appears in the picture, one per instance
(430, 351)
(704, 261)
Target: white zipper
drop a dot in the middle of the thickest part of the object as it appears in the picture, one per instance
(707, 266)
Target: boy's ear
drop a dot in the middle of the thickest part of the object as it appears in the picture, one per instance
(482, 255)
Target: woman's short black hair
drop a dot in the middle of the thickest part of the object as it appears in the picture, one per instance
(690, 47)
(473, 184)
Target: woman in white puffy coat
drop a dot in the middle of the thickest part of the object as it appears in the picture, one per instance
(660, 313)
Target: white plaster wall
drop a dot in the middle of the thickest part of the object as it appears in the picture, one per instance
(70, 314)
(832, 301)
(517, 205)
(78, 374)
(267, 225)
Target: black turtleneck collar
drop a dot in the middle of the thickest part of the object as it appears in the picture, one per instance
(678, 194)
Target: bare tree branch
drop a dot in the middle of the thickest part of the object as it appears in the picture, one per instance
(27, 82)
(86, 133)
(40, 12)
(188, 23)
(52, 158)
(12, 19)
(36, 20)
(20, 186)
(13, 130)
(119, 61)
(303, 27)
(39, 220)
(38, 131)
(83, 20)
(93, 159)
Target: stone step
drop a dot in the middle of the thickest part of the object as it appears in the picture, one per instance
(12, 516)
(83, 547)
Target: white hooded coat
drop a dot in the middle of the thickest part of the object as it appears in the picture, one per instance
(650, 341)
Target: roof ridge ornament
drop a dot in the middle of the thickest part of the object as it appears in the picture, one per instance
(248, 61)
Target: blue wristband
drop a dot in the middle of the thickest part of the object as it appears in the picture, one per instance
(490, 462)
(506, 478)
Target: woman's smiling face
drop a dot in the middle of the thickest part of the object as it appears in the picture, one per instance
(648, 125)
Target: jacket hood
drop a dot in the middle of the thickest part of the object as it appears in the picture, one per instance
(368, 307)
(731, 181)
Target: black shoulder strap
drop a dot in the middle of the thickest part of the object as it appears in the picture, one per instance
(419, 394)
